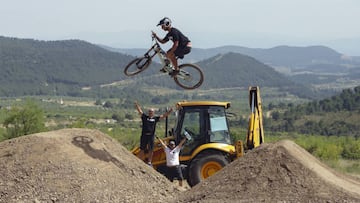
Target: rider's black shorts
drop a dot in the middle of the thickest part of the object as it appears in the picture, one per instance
(181, 51)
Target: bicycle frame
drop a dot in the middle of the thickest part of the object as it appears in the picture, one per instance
(156, 49)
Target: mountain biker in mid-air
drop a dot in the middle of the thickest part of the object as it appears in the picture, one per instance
(181, 44)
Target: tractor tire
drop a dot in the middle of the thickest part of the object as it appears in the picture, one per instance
(205, 165)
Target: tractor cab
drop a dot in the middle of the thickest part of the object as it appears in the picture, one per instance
(204, 121)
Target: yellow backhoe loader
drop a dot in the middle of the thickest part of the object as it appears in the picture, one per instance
(211, 147)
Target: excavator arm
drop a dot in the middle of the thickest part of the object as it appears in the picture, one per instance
(255, 134)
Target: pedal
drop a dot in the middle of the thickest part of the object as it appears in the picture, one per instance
(173, 73)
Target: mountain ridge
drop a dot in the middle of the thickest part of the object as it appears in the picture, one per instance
(300, 56)
(33, 67)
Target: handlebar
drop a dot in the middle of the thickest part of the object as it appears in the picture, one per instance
(153, 38)
(153, 35)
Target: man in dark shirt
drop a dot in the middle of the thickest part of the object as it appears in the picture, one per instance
(181, 44)
(148, 130)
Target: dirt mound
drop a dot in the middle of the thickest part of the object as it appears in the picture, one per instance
(81, 165)
(281, 172)
(76, 165)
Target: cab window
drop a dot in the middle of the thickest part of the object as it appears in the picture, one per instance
(219, 131)
(191, 124)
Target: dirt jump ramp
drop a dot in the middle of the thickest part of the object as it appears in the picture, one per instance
(76, 165)
(276, 172)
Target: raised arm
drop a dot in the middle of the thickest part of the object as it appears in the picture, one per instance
(161, 142)
(138, 108)
(166, 114)
(182, 142)
(162, 41)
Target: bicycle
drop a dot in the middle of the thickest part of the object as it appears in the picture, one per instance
(189, 77)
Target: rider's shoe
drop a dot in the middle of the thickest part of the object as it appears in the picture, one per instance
(163, 70)
(174, 73)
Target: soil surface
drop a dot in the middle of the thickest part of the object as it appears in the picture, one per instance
(82, 165)
(77, 165)
(277, 172)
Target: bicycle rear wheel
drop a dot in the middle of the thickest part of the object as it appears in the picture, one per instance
(190, 76)
(137, 65)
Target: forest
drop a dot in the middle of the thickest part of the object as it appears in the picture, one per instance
(338, 115)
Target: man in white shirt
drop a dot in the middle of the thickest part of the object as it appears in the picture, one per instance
(172, 160)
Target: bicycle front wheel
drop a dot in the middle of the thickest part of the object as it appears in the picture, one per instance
(190, 76)
(137, 65)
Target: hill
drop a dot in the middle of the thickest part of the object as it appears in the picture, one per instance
(293, 57)
(78, 68)
(82, 165)
(323, 68)
(237, 70)
(231, 70)
(319, 67)
(288, 56)
(31, 67)
(334, 116)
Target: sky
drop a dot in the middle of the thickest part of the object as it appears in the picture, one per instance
(208, 23)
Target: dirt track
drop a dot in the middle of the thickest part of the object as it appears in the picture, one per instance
(80, 165)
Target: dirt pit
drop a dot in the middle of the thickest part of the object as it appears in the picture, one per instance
(82, 165)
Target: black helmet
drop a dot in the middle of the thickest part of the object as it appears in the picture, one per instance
(165, 21)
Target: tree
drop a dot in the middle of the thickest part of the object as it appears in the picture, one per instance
(98, 102)
(108, 104)
(24, 120)
(275, 115)
(129, 116)
(117, 117)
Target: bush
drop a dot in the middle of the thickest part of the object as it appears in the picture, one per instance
(328, 151)
(129, 116)
(117, 117)
(331, 147)
(108, 104)
(24, 120)
(352, 149)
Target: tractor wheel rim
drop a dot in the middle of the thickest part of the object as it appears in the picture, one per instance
(210, 168)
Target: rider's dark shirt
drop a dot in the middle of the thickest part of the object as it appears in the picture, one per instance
(175, 35)
(149, 124)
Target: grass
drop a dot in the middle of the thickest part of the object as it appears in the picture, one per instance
(345, 166)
